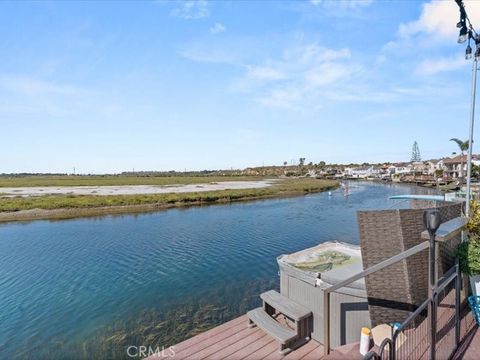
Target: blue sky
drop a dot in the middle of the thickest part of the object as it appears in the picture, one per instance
(108, 87)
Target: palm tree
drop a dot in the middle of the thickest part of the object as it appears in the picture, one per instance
(463, 146)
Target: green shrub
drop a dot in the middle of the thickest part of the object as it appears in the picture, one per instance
(469, 256)
(474, 221)
(468, 252)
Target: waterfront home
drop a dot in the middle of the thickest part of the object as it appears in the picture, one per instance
(363, 172)
(456, 167)
(418, 168)
(400, 168)
(434, 165)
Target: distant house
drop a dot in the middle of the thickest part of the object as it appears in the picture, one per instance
(391, 169)
(456, 167)
(418, 168)
(363, 172)
(434, 165)
(400, 168)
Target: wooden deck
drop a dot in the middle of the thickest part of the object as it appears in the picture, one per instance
(234, 341)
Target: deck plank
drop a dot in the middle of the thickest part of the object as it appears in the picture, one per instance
(196, 339)
(234, 340)
(302, 351)
(252, 348)
(210, 341)
(275, 355)
(243, 343)
(315, 354)
(219, 345)
(263, 352)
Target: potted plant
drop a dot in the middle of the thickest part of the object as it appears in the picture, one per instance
(469, 251)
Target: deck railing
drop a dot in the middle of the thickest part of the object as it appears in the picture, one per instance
(427, 335)
(377, 267)
(432, 331)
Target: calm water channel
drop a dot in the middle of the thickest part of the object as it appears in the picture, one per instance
(88, 288)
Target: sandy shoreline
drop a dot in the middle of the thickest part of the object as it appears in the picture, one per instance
(131, 189)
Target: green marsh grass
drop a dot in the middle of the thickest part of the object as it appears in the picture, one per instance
(288, 187)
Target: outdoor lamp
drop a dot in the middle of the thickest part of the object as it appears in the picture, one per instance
(468, 52)
(477, 53)
(463, 36)
(432, 220)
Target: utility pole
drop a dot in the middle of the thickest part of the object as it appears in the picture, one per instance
(470, 137)
(467, 32)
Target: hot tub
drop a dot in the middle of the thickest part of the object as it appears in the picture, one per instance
(304, 275)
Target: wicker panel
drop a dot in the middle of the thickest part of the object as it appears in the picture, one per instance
(397, 290)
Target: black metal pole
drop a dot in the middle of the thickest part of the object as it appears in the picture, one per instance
(432, 220)
(458, 284)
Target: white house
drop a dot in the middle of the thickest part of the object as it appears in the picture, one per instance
(457, 166)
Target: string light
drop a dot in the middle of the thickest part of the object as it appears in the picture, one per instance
(467, 31)
(468, 52)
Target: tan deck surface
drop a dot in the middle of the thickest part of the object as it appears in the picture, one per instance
(234, 341)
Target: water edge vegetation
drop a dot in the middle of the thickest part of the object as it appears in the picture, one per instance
(69, 206)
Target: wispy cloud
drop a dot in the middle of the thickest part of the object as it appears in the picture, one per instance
(22, 94)
(303, 75)
(198, 53)
(264, 73)
(191, 9)
(439, 18)
(427, 45)
(435, 66)
(217, 28)
(286, 98)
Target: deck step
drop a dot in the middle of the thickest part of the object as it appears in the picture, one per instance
(285, 306)
(270, 326)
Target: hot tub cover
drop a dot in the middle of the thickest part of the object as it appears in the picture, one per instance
(331, 262)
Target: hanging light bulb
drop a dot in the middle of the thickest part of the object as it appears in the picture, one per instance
(463, 36)
(468, 52)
